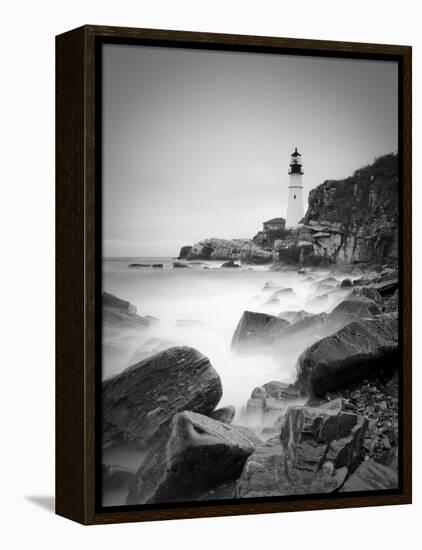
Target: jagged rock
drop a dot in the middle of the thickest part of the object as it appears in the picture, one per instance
(284, 293)
(300, 316)
(288, 315)
(225, 414)
(353, 308)
(386, 288)
(276, 390)
(198, 455)
(371, 476)
(257, 330)
(316, 449)
(224, 249)
(142, 400)
(312, 325)
(184, 252)
(120, 313)
(356, 219)
(352, 353)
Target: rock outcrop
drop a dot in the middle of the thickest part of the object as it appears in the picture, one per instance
(141, 401)
(356, 219)
(352, 353)
(118, 313)
(184, 252)
(244, 250)
(257, 331)
(316, 450)
(198, 454)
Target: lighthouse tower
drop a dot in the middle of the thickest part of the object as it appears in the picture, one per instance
(295, 200)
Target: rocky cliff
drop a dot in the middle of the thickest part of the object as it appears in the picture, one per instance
(223, 249)
(356, 219)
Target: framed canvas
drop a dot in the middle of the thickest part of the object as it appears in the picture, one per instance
(233, 274)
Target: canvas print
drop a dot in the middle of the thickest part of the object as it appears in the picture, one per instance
(251, 289)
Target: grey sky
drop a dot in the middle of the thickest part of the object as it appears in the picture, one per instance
(197, 143)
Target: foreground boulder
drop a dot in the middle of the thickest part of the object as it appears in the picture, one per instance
(257, 330)
(354, 352)
(316, 450)
(141, 401)
(198, 454)
(371, 476)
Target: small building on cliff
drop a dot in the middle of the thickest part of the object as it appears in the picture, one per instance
(275, 224)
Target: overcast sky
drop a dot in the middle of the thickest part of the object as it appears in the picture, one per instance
(197, 144)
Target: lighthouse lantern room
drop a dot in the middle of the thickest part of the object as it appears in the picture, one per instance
(295, 197)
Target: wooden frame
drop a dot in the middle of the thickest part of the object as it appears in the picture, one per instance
(76, 279)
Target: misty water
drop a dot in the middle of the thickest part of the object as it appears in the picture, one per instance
(200, 306)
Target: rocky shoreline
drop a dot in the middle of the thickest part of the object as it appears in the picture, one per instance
(335, 429)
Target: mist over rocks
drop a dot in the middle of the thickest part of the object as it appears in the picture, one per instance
(142, 400)
(257, 330)
(197, 454)
(117, 313)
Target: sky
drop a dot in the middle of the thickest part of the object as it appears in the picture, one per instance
(197, 143)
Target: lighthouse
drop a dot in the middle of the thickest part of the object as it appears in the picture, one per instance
(295, 200)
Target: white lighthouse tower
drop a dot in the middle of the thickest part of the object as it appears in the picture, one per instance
(295, 200)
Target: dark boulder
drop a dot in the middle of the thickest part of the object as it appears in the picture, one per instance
(351, 354)
(346, 283)
(141, 401)
(181, 265)
(371, 476)
(257, 330)
(230, 263)
(353, 308)
(197, 455)
(184, 252)
(225, 414)
(276, 390)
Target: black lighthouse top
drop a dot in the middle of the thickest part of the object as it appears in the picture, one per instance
(296, 163)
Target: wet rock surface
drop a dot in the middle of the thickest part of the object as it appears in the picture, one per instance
(350, 354)
(141, 401)
(199, 454)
